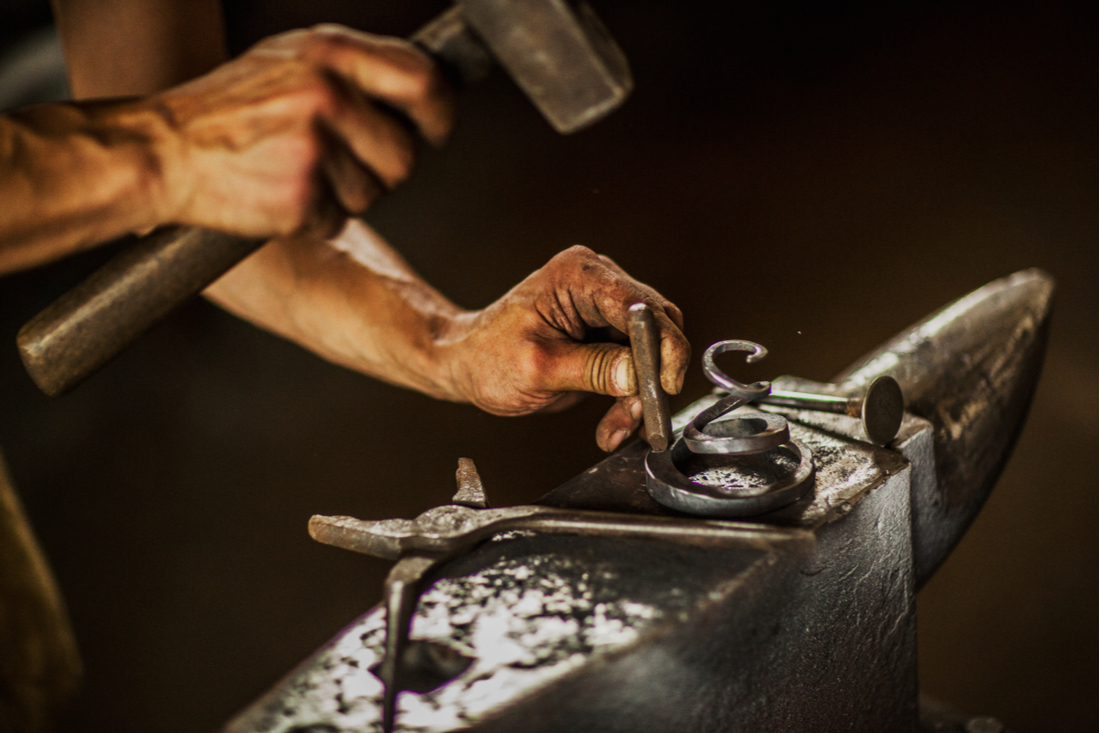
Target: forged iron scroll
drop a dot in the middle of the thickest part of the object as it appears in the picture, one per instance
(735, 438)
(668, 485)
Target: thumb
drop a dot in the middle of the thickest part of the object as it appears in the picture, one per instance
(603, 368)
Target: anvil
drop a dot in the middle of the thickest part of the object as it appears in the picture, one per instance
(581, 633)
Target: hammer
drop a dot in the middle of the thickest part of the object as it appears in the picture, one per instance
(556, 51)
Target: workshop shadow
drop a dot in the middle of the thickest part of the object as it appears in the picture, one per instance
(814, 179)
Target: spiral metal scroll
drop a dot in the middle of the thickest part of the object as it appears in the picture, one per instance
(756, 448)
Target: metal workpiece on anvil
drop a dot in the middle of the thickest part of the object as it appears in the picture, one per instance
(880, 407)
(573, 613)
(570, 633)
(728, 462)
(971, 370)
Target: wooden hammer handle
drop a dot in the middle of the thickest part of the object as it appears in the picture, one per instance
(93, 322)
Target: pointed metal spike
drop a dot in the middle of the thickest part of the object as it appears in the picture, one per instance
(400, 594)
(969, 369)
(471, 492)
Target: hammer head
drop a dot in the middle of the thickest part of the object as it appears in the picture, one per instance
(558, 53)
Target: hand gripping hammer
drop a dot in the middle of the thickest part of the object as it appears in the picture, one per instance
(558, 53)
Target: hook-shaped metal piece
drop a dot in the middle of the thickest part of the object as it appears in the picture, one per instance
(737, 437)
(742, 439)
(756, 352)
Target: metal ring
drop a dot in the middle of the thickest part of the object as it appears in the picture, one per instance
(737, 435)
(670, 487)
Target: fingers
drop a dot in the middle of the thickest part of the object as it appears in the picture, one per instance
(602, 293)
(603, 368)
(390, 70)
(254, 146)
(401, 75)
(353, 184)
(675, 353)
(675, 349)
(369, 149)
(529, 351)
(620, 422)
(376, 139)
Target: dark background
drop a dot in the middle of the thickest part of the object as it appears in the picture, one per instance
(812, 178)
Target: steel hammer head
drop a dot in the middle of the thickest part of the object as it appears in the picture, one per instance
(556, 51)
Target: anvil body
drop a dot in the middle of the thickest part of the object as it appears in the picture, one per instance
(578, 633)
(582, 633)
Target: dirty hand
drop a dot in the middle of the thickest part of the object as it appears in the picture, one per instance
(298, 132)
(529, 351)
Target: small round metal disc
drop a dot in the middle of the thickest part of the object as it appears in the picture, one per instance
(883, 406)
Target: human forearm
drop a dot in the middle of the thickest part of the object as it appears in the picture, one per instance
(353, 301)
(285, 139)
(119, 48)
(73, 175)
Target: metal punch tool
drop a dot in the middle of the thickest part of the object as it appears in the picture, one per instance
(879, 408)
(420, 545)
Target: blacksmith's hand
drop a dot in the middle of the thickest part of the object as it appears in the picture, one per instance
(298, 132)
(290, 138)
(530, 351)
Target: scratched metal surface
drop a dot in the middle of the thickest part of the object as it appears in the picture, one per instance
(846, 468)
(546, 617)
(970, 369)
(528, 610)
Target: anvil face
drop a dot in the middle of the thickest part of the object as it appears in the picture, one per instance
(582, 633)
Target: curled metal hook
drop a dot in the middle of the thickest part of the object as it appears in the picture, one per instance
(721, 379)
(750, 437)
(734, 436)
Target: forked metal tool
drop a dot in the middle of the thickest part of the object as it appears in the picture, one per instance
(420, 545)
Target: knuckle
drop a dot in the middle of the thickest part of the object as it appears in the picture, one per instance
(334, 46)
(576, 256)
(282, 41)
(600, 364)
(677, 316)
(324, 39)
(580, 252)
(531, 365)
(330, 31)
(317, 93)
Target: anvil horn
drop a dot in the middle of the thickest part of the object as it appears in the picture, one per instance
(970, 369)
